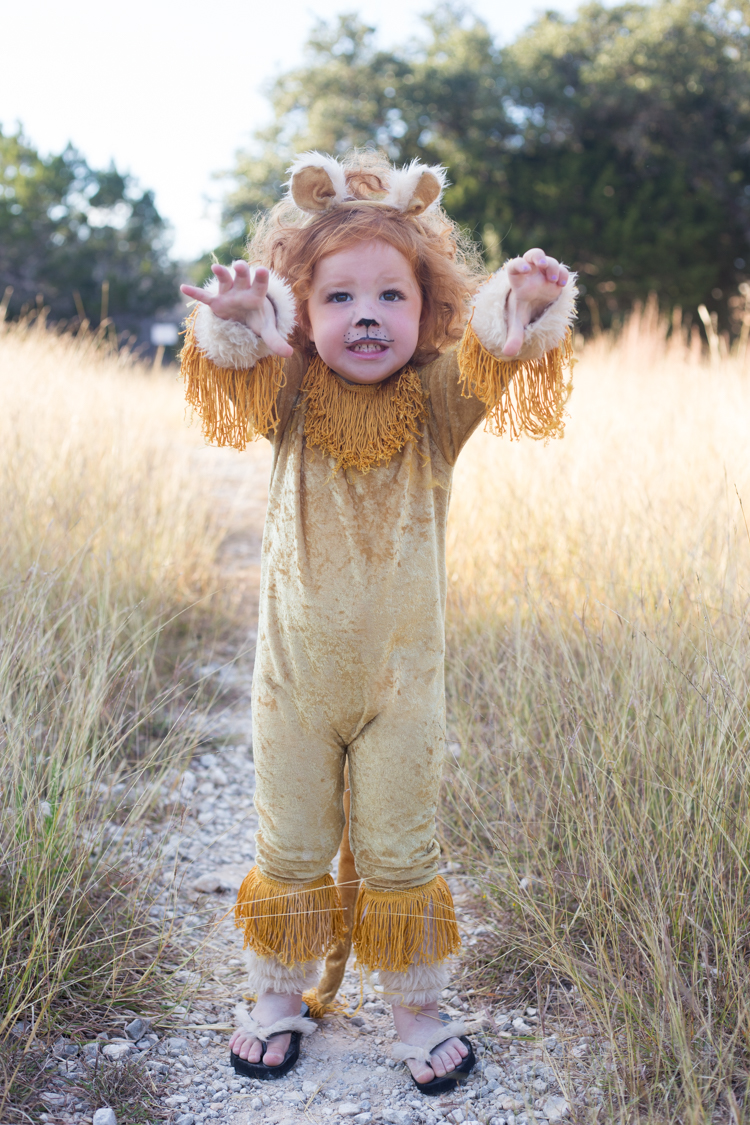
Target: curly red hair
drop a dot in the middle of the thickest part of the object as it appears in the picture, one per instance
(447, 266)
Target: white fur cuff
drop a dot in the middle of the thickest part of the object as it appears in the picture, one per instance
(231, 344)
(249, 1024)
(266, 974)
(491, 325)
(419, 985)
(404, 1051)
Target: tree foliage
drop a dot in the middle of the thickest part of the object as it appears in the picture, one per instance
(65, 229)
(617, 139)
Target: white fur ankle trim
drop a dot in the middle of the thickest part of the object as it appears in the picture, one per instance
(418, 986)
(231, 344)
(404, 1051)
(491, 325)
(266, 974)
(249, 1024)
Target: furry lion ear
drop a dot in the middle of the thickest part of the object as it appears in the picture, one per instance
(316, 182)
(415, 188)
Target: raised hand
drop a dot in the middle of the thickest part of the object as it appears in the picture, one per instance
(535, 282)
(245, 301)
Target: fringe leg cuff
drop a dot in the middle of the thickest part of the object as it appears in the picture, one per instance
(266, 974)
(419, 985)
(294, 923)
(397, 929)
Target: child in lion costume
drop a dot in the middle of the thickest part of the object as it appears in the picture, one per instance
(366, 343)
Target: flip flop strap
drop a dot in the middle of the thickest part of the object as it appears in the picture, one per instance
(404, 1051)
(248, 1023)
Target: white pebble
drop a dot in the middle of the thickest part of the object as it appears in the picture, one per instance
(555, 1109)
(105, 1116)
(116, 1051)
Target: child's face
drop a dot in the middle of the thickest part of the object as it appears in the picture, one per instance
(364, 311)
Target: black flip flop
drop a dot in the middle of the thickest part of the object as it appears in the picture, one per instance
(447, 1082)
(267, 1073)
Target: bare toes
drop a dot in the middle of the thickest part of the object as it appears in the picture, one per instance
(453, 1059)
(438, 1064)
(421, 1071)
(274, 1056)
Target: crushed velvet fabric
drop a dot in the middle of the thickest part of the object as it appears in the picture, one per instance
(349, 667)
(351, 644)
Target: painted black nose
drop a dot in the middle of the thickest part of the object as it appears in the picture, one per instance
(365, 323)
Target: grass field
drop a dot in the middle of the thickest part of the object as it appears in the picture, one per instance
(597, 680)
(106, 546)
(598, 689)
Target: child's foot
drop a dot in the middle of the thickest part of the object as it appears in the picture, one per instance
(270, 1007)
(416, 1027)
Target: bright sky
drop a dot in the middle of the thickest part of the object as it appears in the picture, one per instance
(170, 90)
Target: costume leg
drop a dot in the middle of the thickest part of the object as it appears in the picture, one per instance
(288, 905)
(405, 924)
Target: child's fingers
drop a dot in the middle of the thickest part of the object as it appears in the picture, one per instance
(224, 277)
(241, 275)
(537, 257)
(513, 341)
(516, 326)
(196, 294)
(273, 339)
(552, 269)
(518, 266)
(260, 283)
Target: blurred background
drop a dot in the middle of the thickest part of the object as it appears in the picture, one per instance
(136, 143)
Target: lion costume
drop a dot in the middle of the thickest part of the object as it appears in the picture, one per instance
(350, 652)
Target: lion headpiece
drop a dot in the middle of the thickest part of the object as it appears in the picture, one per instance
(319, 184)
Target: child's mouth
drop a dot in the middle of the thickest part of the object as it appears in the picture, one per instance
(367, 347)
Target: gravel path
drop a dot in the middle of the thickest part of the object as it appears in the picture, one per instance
(345, 1073)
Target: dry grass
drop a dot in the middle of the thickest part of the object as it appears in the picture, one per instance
(598, 675)
(597, 679)
(106, 546)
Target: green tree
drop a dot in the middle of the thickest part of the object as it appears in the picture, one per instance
(65, 229)
(616, 138)
(634, 163)
(439, 99)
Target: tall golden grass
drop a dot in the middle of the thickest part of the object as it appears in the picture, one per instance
(597, 685)
(105, 545)
(598, 676)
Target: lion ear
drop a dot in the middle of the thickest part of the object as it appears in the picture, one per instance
(316, 182)
(427, 191)
(415, 188)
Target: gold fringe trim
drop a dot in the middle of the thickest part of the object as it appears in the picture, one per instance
(396, 929)
(235, 406)
(293, 922)
(361, 426)
(522, 396)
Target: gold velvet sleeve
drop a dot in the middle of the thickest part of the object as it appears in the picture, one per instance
(236, 406)
(468, 385)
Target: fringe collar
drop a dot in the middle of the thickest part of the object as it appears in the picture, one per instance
(361, 425)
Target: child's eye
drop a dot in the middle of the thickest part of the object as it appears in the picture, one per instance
(338, 298)
(392, 295)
